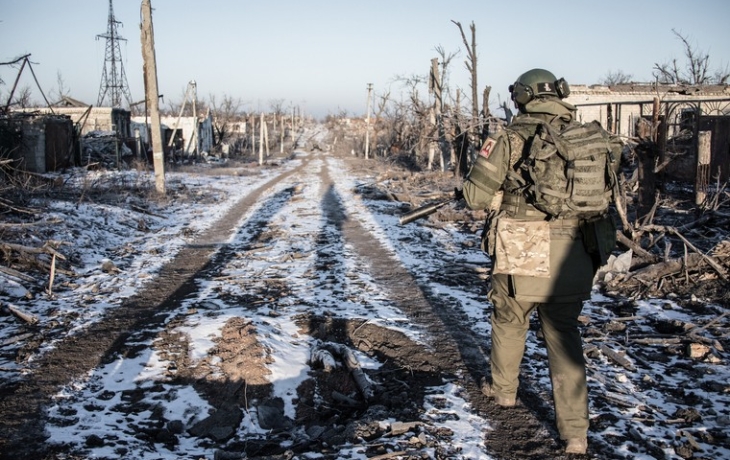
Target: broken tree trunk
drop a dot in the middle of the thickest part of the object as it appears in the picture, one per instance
(18, 313)
(654, 272)
(704, 157)
(710, 261)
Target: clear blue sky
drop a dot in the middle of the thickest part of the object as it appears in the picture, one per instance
(320, 55)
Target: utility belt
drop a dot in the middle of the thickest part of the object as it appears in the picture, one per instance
(518, 224)
(516, 207)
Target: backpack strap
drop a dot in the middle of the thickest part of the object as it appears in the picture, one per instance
(525, 131)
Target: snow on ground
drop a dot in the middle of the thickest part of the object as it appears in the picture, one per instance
(104, 233)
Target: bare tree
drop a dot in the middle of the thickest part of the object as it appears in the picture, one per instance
(695, 71)
(23, 97)
(617, 77)
(471, 66)
(445, 60)
(721, 77)
(276, 106)
(223, 115)
(468, 135)
(61, 90)
(411, 130)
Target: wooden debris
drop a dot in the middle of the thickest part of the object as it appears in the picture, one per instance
(144, 211)
(619, 400)
(16, 338)
(617, 357)
(36, 257)
(398, 428)
(657, 340)
(350, 361)
(697, 350)
(394, 454)
(652, 273)
(45, 249)
(695, 331)
(18, 274)
(52, 276)
(27, 317)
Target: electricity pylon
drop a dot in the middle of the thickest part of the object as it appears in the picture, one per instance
(114, 84)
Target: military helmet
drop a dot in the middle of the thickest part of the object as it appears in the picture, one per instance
(537, 82)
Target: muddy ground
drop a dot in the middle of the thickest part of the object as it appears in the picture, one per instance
(332, 405)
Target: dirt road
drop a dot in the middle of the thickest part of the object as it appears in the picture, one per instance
(339, 414)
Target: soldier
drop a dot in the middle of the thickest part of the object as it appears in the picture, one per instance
(540, 263)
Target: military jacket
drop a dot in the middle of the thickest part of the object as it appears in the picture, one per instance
(500, 154)
(549, 263)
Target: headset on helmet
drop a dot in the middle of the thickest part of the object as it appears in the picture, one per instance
(538, 82)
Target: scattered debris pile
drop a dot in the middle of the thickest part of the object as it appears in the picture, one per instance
(104, 148)
(682, 252)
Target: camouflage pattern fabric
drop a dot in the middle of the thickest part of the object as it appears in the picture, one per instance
(522, 248)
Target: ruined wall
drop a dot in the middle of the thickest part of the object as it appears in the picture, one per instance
(32, 154)
(618, 107)
(191, 134)
(97, 119)
(44, 142)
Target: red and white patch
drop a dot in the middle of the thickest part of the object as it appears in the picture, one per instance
(487, 148)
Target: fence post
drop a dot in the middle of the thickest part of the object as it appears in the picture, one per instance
(704, 157)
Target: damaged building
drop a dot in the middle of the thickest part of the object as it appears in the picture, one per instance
(37, 142)
(183, 137)
(681, 111)
(100, 135)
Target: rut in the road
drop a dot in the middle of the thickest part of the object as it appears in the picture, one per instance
(514, 433)
(22, 434)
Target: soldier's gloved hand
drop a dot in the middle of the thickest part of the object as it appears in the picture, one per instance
(458, 194)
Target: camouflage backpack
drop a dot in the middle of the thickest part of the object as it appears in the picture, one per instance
(569, 173)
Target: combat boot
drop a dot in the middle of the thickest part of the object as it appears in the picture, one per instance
(502, 401)
(576, 446)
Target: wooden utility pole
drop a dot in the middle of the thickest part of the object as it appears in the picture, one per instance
(261, 140)
(281, 135)
(265, 124)
(152, 95)
(367, 122)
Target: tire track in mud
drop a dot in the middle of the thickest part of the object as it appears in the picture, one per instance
(331, 309)
(327, 298)
(514, 433)
(22, 436)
